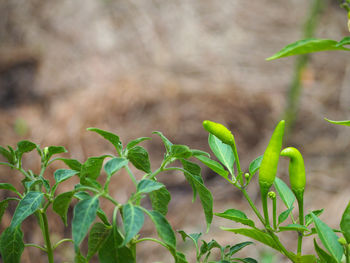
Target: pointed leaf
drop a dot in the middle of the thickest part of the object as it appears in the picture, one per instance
(284, 192)
(308, 217)
(3, 206)
(346, 123)
(306, 46)
(180, 151)
(222, 151)
(254, 234)
(147, 186)
(160, 200)
(237, 216)
(9, 187)
(345, 223)
(83, 216)
(133, 219)
(255, 165)
(7, 154)
(328, 238)
(234, 249)
(114, 165)
(196, 153)
(136, 141)
(343, 42)
(138, 156)
(92, 167)
(61, 204)
(194, 236)
(11, 245)
(293, 227)
(284, 215)
(51, 150)
(165, 140)
(27, 206)
(323, 255)
(111, 137)
(62, 175)
(71, 163)
(213, 165)
(25, 146)
(98, 235)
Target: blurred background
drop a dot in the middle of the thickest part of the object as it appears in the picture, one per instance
(133, 67)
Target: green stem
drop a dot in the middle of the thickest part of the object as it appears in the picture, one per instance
(45, 230)
(35, 245)
(62, 241)
(279, 244)
(301, 222)
(256, 211)
(238, 165)
(132, 176)
(150, 239)
(347, 253)
(108, 197)
(274, 207)
(265, 208)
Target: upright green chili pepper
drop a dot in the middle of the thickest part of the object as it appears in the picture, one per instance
(269, 163)
(220, 131)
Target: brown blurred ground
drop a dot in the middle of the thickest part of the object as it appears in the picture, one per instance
(136, 67)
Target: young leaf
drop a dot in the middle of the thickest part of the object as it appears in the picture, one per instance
(164, 230)
(147, 186)
(196, 153)
(255, 234)
(345, 223)
(255, 165)
(237, 216)
(51, 150)
(222, 151)
(160, 200)
(61, 204)
(9, 187)
(234, 249)
(165, 140)
(284, 192)
(207, 247)
(343, 42)
(133, 219)
(307, 46)
(62, 175)
(244, 260)
(328, 238)
(114, 139)
(323, 255)
(194, 236)
(346, 123)
(180, 151)
(98, 235)
(71, 163)
(27, 206)
(83, 216)
(7, 154)
(138, 156)
(3, 205)
(213, 165)
(11, 245)
(136, 141)
(114, 165)
(284, 215)
(293, 227)
(308, 217)
(25, 146)
(92, 167)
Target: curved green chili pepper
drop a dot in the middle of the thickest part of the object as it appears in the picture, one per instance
(220, 131)
(269, 163)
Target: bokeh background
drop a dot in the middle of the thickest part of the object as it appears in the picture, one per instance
(133, 67)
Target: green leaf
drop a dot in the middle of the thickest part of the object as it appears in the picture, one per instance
(3, 206)
(164, 230)
(244, 260)
(133, 219)
(102, 215)
(138, 156)
(234, 249)
(114, 165)
(323, 255)
(304, 258)
(222, 151)
(136, 141)
(83, 216)
(111, 137)
(61, 204)
(25, 146)
(344, 41)
(79, 258)
(284, 192)
(195, 170)
(308, 217)
(147, 186)
(51, 150)
(11, 245)
(62, 175)
(194, 236)
(27, 206)
(293, 227)
(328, 238)
(160, 200)
(255, 165)
(197, 153)
(98, 235)
(7, 154)
(345, 223)
(92, 167)
(255, 234)
(237, 216)
(306, 46)
(346, 123)
(9, 187)
(204, 195)
(165, 140)
(180, 151)
(206, 247)
(284, 215)
(71, 163)
(213, 165)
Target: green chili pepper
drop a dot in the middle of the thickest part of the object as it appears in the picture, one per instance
(220, 131)
(296, 171)
(269, 163)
